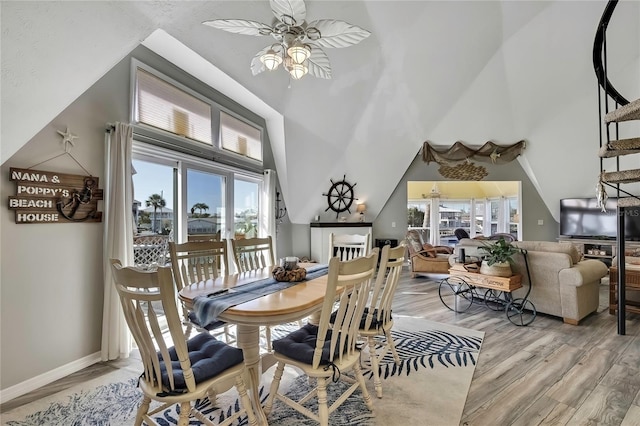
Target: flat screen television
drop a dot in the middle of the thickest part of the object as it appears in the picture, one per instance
(582, 218)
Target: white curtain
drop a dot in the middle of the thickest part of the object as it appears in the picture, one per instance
(118, 237)
(268, 206)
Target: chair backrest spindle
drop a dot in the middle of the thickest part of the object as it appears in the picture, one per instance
(195, 261)
(379, 309)
(355, 277)
(253, 253)
(347, 247)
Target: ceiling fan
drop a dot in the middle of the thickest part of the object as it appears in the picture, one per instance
(298, 43)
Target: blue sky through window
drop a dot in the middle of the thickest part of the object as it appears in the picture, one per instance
(203, 187)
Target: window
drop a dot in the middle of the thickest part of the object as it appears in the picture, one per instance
(164, 106)
(479, 219)
(453, 215)
(419, 217)
(416, 215)
(153, 197)
(514, 216)
(480, 208)
(240, 137)
(170, 114)
(494, 215)
(153, 211)
(205, 205)
(246, 207)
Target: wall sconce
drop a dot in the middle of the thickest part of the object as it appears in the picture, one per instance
(361, 208)
(280, 211)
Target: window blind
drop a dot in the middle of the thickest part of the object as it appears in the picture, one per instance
(165, 106)
(239, 137)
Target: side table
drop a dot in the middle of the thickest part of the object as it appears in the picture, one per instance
(632, 283)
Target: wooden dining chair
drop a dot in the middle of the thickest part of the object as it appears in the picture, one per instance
(324, 352)
(196, 261)
(176, 370)
(348, 247)
(250, 254)
(377, 319)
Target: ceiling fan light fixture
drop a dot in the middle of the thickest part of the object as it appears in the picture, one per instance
(271, 59)
(299, 52)
(298, 71)
(291, 31)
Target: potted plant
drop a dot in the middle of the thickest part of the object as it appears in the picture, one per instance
(498, 258)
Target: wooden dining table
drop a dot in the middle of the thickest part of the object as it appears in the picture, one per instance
(291, 304)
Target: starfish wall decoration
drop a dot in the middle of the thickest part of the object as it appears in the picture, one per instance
(67, 139)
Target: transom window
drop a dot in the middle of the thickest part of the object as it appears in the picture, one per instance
(164, 109)
(240, 137)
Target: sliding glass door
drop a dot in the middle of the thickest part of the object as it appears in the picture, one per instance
(180, 198)
(205, 205)
(246, 203)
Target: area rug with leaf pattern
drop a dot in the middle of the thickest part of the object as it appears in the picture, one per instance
(428, 387)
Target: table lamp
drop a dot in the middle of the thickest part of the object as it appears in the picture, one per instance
(361, 208)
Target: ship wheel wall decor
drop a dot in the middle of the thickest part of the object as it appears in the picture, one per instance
(340, 196)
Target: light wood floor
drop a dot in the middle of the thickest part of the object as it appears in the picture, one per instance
(548, 373)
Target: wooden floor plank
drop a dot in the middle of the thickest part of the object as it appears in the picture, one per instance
(604, 406)
(524, 391)
(544, 411)
(632, 418)
(576, 385)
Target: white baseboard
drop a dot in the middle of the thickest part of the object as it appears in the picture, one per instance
(50, 376)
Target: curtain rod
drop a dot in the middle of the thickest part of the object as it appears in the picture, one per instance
(110, 128)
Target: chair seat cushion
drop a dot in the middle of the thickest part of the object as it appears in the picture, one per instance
(374, 321)
(211, 326)
(300, 344)
(209, 357)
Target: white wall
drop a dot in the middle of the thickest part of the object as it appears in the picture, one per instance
(51, 274)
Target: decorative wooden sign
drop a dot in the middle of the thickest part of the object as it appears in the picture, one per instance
(48, 197)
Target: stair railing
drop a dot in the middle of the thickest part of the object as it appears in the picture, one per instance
(605, 139)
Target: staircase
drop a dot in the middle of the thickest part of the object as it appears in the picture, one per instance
(617, 179)
(620, 147)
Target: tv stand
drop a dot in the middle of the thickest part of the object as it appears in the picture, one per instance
(601, 249)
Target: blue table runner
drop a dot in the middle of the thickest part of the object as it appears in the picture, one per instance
(207, 309)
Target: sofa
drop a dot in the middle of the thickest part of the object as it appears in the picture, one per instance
(425, 258)
(563, 285)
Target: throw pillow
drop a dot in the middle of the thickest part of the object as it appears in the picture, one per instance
(431, 252)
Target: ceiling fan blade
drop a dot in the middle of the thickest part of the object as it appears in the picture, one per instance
(240, 26)
(289, 8)
(256, 64)
(318, 63)
(336, 33)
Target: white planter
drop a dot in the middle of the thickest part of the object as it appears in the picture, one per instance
(497, 269)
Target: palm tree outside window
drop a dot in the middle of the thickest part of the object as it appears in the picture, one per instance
(157, 202)
(201, 207)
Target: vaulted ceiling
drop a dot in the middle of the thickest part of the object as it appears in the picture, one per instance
(441, 71)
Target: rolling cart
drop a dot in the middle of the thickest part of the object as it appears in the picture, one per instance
(464, 287)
